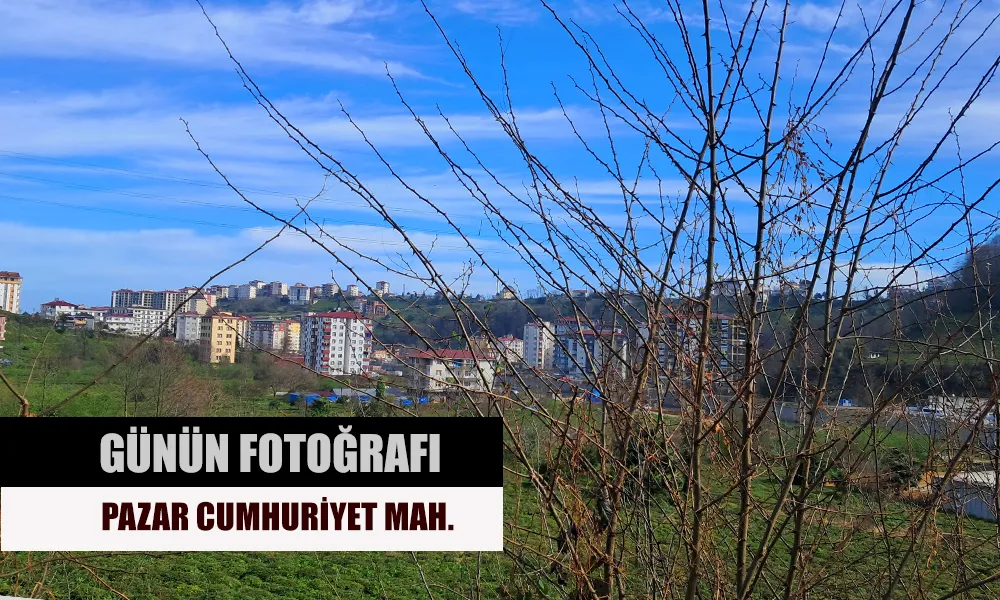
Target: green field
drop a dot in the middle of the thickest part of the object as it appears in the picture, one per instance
(854, 539)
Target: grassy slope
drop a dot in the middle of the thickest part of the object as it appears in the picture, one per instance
(396, 575)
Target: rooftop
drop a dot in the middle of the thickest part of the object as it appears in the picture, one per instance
(58, 302)
(341, 314)
(10, 274)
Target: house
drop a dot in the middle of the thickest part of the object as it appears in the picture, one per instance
(3, 328)
(57, 308)
(442, 370)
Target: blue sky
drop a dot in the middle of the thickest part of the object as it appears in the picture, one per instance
(101, 188)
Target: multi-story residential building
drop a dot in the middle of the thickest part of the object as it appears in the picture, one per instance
(441, 370)
(187, 329)
(3, 328)
(278, 289)
(118, 320)
(219, 291)
(57, 308)
(330, 290)
(10, 291)
(679, 340)
(482, 345)
(337, 343)
(199, 303)
(221, 336)
(539, 342)
(234, 290)
(257, 283)
(137, 320)
(165, 300)
(316, 291)
(373, 308)
(276, 335)
(581, 351)
(512, 349)
(353, 291)
(245, 292)
(382, 288)
(299, 295)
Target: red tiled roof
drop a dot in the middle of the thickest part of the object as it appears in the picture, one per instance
(11, 274)
(60, 303)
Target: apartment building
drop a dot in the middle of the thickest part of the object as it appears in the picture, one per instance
(10, 291)
(137, 320)
(582, 350)
(679, 340)
(512, 349)
(299, 295)
(337, 343)
(278, 289)
(539, 342)
(276, 335)
(187, 328)
(373, 308)
(247, 291)
(3, 328)
(221, 336)
(382, 288)
(164, 300)
(353, 291)
(219, 291)
(443, 370)
(57, 308)
(118, 320)
(330, 290)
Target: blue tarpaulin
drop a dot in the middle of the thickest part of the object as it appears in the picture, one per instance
(364, 398)
(423, 400)
(405, 402)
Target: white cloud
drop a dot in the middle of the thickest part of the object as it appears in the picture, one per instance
(277, 34)
(507, 12)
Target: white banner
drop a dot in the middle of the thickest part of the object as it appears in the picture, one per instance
(251, 519)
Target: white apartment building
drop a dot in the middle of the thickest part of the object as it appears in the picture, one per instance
(118, 320)
(276, 335)
(278, 288)
(330, 290)
(539, 342)
(247, 291)
(512, 349)
(440, 370)
(337, 343)
(234, 290)
(141, 320)
(299, 295)
(382, 288)
(353, 291)
(10, 291)
(188, 328)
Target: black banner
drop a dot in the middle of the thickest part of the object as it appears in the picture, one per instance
(251, 452)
